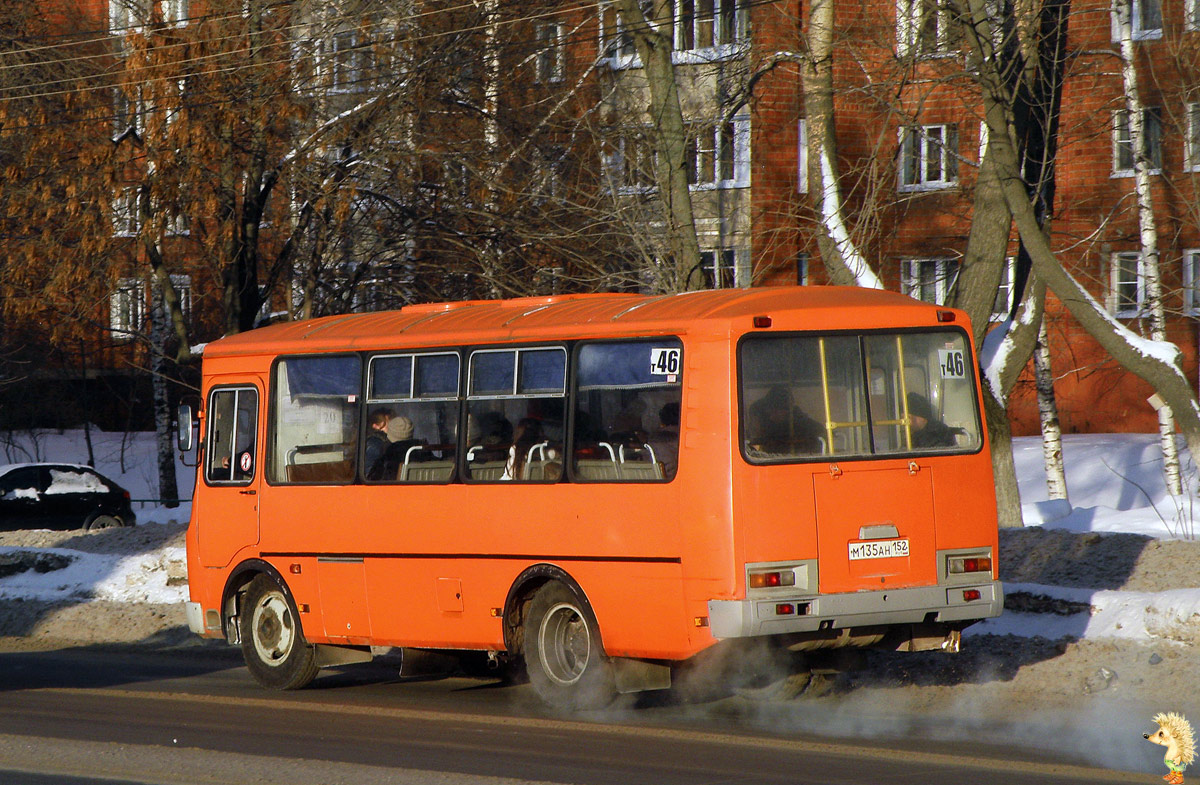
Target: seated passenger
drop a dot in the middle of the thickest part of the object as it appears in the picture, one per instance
(927, 430)
(377, 443)
(777, 427)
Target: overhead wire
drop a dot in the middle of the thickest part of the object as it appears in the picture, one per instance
(115, 78)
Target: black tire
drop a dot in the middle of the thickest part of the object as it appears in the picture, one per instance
(563, 654)
(102, 521)
(278, 656)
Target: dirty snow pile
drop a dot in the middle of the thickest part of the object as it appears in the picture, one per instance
(1112, 563)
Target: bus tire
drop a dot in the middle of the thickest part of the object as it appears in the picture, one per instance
(278, 656)
(563, 656)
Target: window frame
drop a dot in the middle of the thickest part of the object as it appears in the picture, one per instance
(1118, 303)
(1122, 141)
(1138, 32)
(210, 425)
(127, 323)
(913, 171)
(734, 260)
(911, 20)
(550, 60)
(1191, 281)
(946, 277)
(727, 146)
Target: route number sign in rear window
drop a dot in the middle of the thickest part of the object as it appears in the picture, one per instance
(952, 363)
(664, 362)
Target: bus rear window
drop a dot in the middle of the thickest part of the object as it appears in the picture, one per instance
(816, 397)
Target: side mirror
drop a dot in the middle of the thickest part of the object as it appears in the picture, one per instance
(183, 423)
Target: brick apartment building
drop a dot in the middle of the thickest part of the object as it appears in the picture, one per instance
(908, 121)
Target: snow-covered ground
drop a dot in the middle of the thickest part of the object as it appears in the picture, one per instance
(1115, 483)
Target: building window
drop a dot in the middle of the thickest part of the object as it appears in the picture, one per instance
(348, 62)
(127, 307)
(705, 24)
(928, 157)
(125, 212)
(1192, 143)
(1123, 158)
(802, 268)
(928, 279)
(1002, 307)
(616, 45)
(923, 29)
(726, 268)
(551, 61)
(175, 11)
(1126, 294)
(802, 156)
(719, 156)
(183, 290)
(1191, 282)
(1192, 14)
(628, 160)
(1145, 18)
(125, 16)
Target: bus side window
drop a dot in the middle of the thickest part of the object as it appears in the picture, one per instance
(415, 399)
(516, 414)
(627, 410)
(232, 429)
(314, 435)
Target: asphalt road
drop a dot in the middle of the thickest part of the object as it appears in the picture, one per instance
(194, 717)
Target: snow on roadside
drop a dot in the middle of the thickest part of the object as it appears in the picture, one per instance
(1115, 481)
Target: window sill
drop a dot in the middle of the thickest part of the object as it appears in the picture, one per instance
(710, 54)
(930, 187)
(1118, 174)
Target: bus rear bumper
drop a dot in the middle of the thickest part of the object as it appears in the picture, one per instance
(785, 615)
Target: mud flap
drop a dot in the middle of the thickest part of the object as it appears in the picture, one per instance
(632, 675)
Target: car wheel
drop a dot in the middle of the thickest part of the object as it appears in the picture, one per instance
(278, 656)
(563, 656)
(101, 521)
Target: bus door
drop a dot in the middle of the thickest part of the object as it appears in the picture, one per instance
(228, 516)
(875, 528)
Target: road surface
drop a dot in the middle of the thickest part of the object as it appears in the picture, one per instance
(193, 717)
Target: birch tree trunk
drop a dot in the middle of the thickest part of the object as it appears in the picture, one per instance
(843, 261)
(1052, 455)
(168, 489)
(1148, 233)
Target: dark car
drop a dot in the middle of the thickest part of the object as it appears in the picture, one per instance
(60, 496)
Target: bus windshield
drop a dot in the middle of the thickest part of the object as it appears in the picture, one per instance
(810, 397)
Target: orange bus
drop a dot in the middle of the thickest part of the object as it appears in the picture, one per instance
(598, 487)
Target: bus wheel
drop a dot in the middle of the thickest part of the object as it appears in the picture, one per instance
(272, 642)
(565, 663)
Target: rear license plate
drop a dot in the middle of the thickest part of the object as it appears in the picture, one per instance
(878, 549)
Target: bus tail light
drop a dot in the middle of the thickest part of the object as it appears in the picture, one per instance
(772, 579)
(960, 565)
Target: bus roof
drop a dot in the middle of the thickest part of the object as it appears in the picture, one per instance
(569, 316)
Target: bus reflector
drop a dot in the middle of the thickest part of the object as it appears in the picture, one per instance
(970, 595)
(770, 580)
(785, 609)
